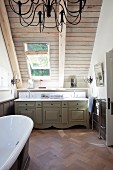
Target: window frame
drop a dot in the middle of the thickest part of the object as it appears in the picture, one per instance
(34, 52)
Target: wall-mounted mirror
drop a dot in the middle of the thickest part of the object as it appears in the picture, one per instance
(98, 68)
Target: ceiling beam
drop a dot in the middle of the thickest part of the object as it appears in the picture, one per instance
(62, 42)
(9, 41)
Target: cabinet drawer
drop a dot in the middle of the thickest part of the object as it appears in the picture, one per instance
(64, 104)
(30, 112)
(23, 110)
(78, 104)
(51, 104)
(38, 104)
(24, 104)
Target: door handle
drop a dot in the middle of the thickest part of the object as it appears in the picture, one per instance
(108, 103)
(111, 108)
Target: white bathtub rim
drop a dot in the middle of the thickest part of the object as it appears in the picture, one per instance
(14, 155)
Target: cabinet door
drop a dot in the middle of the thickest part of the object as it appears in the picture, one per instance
(30, 112)
(77, 115)
(64, 115)
(38, 116)
(51, 115)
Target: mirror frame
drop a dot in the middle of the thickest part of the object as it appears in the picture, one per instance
(99, 74)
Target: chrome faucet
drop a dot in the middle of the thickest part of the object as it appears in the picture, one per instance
(29, 93)
(74, 93)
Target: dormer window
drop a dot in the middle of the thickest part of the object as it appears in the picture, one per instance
(38, 60)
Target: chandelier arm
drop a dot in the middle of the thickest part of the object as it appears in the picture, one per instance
(56, 21)
(14, 1)
(72, 2)
(38, 6)
(21, 3)
(52, 26)
(30, 13)
(74, 20)
(31, 20)
(72, 11)
(73, 15)
(83, 4)
(28, 10)
(34, 10)
(25, 2)
(11, 6)
(59, 29)
(43, 16)
(36, 2)
(27, 24)
(43, 22)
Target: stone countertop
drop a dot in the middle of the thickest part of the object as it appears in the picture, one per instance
(48, 99)
(51, 89)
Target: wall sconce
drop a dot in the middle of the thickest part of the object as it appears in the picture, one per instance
(90, 80)
(15, 80)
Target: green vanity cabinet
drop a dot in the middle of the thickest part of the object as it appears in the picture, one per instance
(60, 114)
(25, 108)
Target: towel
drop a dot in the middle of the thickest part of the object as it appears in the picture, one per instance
(91, 104)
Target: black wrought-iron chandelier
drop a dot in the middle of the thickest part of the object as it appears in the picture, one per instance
(41, 12)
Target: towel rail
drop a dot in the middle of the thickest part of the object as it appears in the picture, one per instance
(99, 109)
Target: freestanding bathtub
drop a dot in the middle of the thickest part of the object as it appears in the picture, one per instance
(14, 133)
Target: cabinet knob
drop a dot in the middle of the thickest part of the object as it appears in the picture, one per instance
(60, 116)
(51, 103)
(26, 103)
(64, 104)
(77, 103)
(26, 109)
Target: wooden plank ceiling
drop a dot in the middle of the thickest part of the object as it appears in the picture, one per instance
(79, 43)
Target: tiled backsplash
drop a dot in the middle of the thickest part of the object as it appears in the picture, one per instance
(51, 94)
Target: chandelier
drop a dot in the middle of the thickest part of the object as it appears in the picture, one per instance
(48, 13)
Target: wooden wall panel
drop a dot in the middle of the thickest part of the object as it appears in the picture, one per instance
(7, 108)
(79, 42)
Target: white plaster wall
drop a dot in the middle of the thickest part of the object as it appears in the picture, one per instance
(5, 63)
(103, 43)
